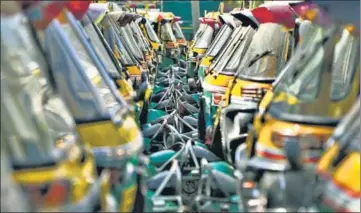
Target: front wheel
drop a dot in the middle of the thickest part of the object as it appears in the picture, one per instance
(201, 121)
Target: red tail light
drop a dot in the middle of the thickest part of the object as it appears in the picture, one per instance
(49, 195)
(78, 8)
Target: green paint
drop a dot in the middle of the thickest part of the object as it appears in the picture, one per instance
(159, 158)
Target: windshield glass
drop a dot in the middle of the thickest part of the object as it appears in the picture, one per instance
(205, 40)
(116, 44)
(267, 53)
(137, 35)
(177, 31)
(167, 32)
(151, 33)
(345, 64)
(90, 68)
(199, 32)
(313, 80)
(127, 35)
(235, 50)
(219, 41)
(32, 120)
(101, 50)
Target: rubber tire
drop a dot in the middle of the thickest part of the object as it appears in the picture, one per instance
(201, 121)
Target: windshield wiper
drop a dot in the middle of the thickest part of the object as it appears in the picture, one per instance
(259, 56)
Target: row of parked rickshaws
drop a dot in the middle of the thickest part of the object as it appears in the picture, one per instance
(257, 113)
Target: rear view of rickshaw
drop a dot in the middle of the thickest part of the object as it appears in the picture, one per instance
(268, 53)
(55, 170)
(308, 105)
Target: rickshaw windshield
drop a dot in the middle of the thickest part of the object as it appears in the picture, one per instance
(90, 68)
(138, 36)
(267, 53)
(205, 40)
(167, 32)
(312, 83)
(101, 50)
(222, 58)
(126, 33)
(111, 35)
(219, 41)
(200, 30)
(24, 99)
(151, 33)
(345, 65)
(178, 31)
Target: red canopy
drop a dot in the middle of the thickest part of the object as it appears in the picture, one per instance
(281, 14)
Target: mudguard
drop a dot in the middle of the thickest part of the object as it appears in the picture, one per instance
(217, 178)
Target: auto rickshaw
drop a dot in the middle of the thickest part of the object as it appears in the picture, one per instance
(266, 57)
(178, 33)
(103, 119)
(54, 169)
(339, 167)
(151, 36)
(208, 29)
(110, 30)
(229, 22)
(162, 24)
(331, 186)
(333, 85)
(312, 33)
(220, 73)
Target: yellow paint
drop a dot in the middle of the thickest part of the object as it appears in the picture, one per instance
(289, 128)
(96, 80)
(266, 100)
(80, 175)
(206, 61)
(200, 51)
(133, 70)
(282, 96)
(219, 80)
(107, 134)
(125, 89)
(155, 45)
(348, 172)
(36, 72)
(105, 189)
(325, 162)
(128, 199)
